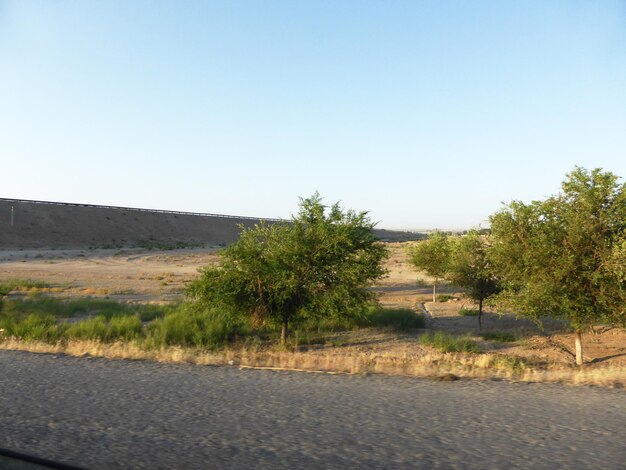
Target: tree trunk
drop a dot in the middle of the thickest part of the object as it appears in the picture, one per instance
(435, 291)
(480, 314)
(283, 333)
(578, 340)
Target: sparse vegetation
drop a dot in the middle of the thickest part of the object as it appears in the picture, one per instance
(67, 308)
(446, 342)
(468, 312)
(513, 364)
(106, 330)
(22, 285)
(46, 319)
(401, 319)
(499, 336)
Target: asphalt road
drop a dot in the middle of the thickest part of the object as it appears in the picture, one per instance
(117, 414)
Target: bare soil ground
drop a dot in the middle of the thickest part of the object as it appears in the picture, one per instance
(139, 275)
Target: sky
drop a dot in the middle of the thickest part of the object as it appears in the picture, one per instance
(427, 114)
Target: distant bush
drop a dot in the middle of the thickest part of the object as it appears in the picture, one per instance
(444, 298)
(446, 342)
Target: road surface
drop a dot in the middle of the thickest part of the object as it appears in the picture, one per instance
(99, 413)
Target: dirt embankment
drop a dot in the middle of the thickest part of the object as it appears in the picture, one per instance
(37, 225)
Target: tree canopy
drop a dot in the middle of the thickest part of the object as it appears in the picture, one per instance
(321, 263)
(564, 256)
(433, 256)
(470, 267)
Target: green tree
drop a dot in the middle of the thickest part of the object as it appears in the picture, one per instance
(470, 267)
(564, 256)
(433, 256)
(319, 264)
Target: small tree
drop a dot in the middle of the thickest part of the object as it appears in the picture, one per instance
(563, 257)
(319, 264)
(470, 267)
(433, 256)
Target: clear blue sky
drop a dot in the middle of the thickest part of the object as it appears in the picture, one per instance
(429, 114)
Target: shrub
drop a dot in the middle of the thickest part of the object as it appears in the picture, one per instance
(444, 298)
(468, 312)
(449, 343)
(401, 319)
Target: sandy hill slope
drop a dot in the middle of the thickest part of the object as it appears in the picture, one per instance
(37, 224)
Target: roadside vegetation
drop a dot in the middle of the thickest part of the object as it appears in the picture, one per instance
(446, 342)
(286, 292)
(318, 266)
(563, 257)
(50, 320)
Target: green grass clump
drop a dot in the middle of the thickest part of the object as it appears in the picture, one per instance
(41, 318)
(399, 319)
(60, 308)
(449, 343)
(443, 298)
(187, 326)
(15, 284)
(499, 336)
(106, 330)
(32, 327)
(468, 312)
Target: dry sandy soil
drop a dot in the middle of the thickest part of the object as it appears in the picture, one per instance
(138, 275)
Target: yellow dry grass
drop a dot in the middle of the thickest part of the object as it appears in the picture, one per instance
(424, 364)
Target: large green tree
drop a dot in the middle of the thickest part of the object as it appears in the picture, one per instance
(563, 256)
(432, 256)
(321, 263)
(470, 267)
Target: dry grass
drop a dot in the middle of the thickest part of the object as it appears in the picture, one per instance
(423, 363)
